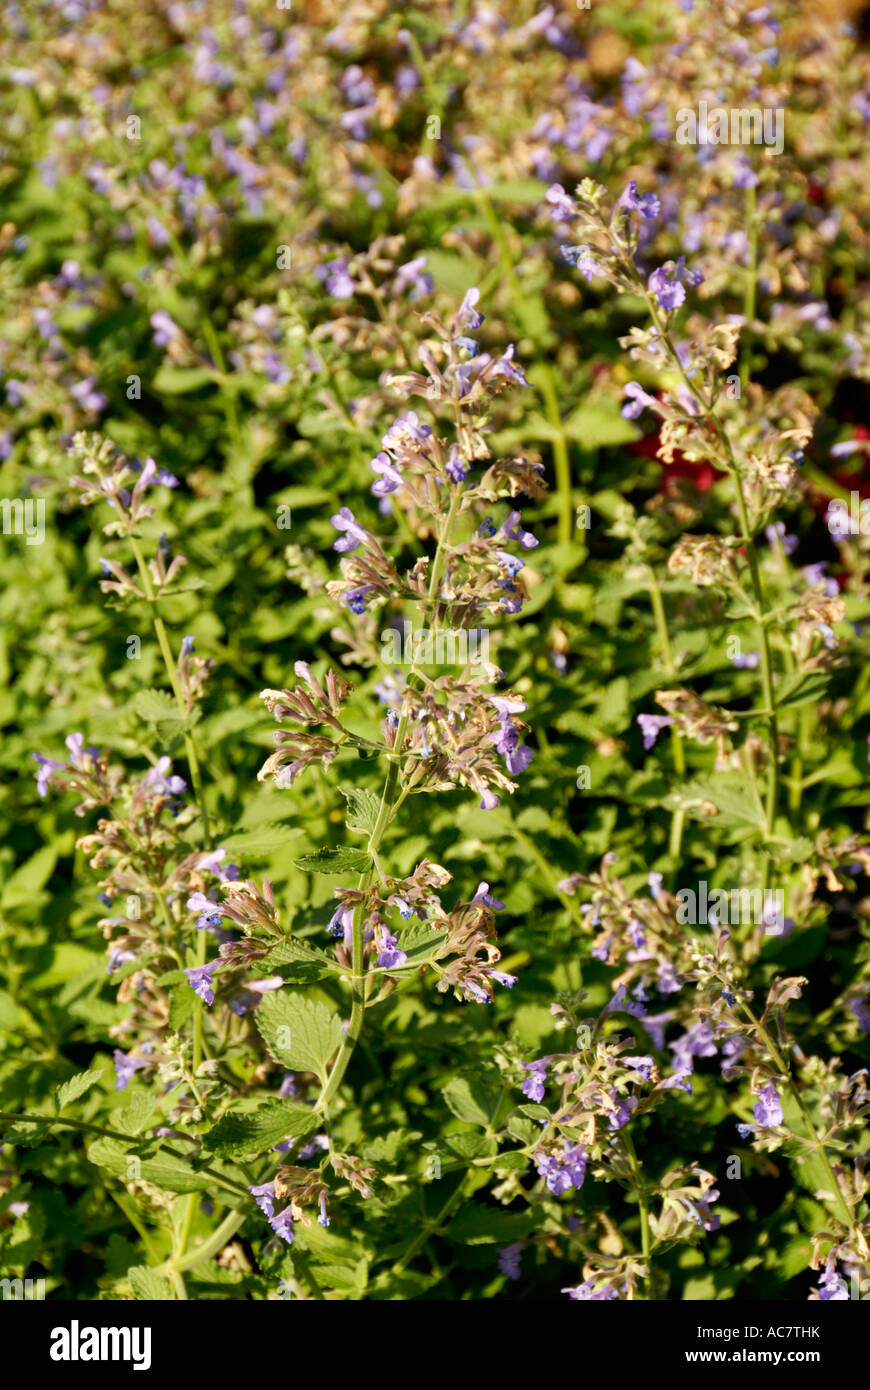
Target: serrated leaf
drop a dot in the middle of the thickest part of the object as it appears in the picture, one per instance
(25, 1134)
(234, 1136)
(149, 1286)
(70, 1090)
(362, 809)
(182, 1004)
(134, 1116)
(265, 840)
(157, 707)
(300, 962)
(163, 1169)
(335, 861)
(300, 1034)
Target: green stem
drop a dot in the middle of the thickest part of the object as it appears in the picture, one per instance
(219, 1178)
(779, 1060)
(547, 388)
(211, 1246)
(643, 1207)
(750, 287)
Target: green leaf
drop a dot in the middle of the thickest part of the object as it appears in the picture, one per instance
(472, 1098)
(485, 1225)
(236, 1135)
(362, 809)
(179, 381)
(134, 1116)
(8, 1012)
(25, 1134)
(735, 801)
(157, 707)
(70, 1090)
(163, 1169)
(298, 961)
(182, 1004)
(299, 1034)
(24, 886)
(335, 861)
(599, 425)
(802, 687)
(260, 843)
(149, 1286)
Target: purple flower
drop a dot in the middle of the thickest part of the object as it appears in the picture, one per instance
(647, 204)
(282, 1225)
(411, 277)
(640, 400)
(697, 1041)
(506, 367)
(512, 529)
(587, 1292)
(561, 205)
(265, 1198)
(745, 661)
(356, 598)
(46, 767)
(209, 912)
(776, 534)
(643, 1064)
(467, 315)
(323, 1215)
(509, 1259)
(667, 283)
(456, 468)
(406, 430)
(344, 520)
(832, 1286)
(390, 955)
(341, 921)
(518, 760)
(390, 478)
(768, 1111)
(620, 1117)
(563, 1171)
(861, 1010)
(534, 1084)
(199, 979)
(336, 277)
(126, 1068)
(166, 330)
(158, 781)
(484, 896)
(651, 726)
(584, 259)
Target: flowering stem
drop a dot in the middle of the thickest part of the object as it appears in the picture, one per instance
(547, 387)
(643, 1206)
(794, 1090)
(391, 797)
(219, 1178)
(749, 292)
(172, 673)
(748, 541)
